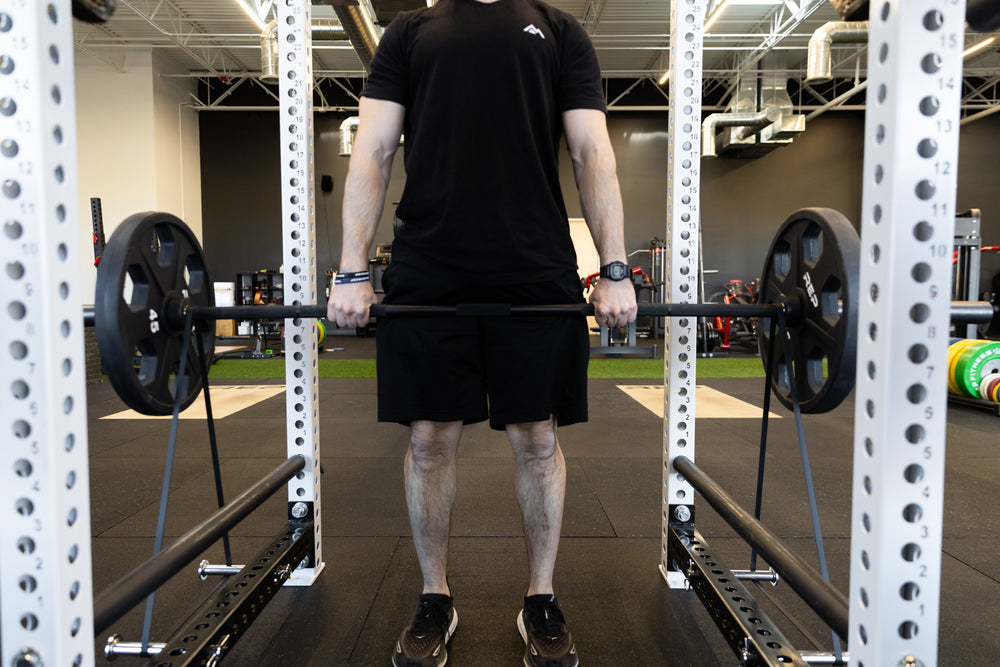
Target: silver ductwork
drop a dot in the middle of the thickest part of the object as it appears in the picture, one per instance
(360, 30)
(348, 129)
(820, 66)
(760, 117)
(749, 124)
(269, 53)
(328, 30)
(322, 30)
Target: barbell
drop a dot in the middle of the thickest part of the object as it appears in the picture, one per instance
(153, 278)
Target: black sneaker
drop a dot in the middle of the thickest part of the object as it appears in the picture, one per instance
(424, 642)
(547, 642)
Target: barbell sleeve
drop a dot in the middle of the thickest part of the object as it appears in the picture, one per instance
(972, 312)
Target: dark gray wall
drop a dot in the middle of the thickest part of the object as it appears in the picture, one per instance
(743, 201)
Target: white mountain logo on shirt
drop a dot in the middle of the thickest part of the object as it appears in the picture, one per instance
(534, 31)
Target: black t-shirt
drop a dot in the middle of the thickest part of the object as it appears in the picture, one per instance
(484, 86)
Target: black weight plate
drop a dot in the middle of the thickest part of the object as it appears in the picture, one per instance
(150, 257)
(813, 260)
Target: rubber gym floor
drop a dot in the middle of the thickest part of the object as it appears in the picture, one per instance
(615, 600)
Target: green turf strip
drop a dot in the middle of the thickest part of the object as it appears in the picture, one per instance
(243, 369)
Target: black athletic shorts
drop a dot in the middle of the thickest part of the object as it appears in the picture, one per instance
(506, 369)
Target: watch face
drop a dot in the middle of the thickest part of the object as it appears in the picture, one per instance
(618, 271)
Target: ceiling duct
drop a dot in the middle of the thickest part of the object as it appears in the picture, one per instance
(360, 30)
(322, 30)
(759, 119)
(749, 123)
(358, 19)
(348, 129)
(820, 65)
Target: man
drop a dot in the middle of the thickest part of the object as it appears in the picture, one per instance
(484, 91)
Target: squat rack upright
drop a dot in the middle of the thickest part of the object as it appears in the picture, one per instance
(45, 543)
(47, 606)
(907, 226)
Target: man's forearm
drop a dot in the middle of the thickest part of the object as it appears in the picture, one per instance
(364, 198)
(601, 201)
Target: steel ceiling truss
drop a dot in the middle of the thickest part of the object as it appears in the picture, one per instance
(980, 93)
(780, 23)
(180, 30)
(111, 49)
(592, 15)
(333, 94)
(263, 8)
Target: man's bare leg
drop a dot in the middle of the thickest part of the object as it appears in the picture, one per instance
(541, 490)
(429, 472)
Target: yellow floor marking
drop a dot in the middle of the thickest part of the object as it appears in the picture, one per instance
(710, 403)
(226, 400)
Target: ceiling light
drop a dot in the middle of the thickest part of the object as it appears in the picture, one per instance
(664, 78)
(252, 13)
(715, 15)
(972, 49)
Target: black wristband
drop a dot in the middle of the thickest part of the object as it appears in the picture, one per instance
(351, 278)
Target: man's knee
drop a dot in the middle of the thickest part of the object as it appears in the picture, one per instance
(534, 440)
(433, 443)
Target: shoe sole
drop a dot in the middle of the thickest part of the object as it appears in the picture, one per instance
(447, 638)
(524, 637)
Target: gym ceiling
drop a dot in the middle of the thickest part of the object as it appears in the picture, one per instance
(218, 43)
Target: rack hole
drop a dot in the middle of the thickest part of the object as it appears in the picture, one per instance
(915, 434)
(913, 512)
(913, 473)
(24, 507)
(918, 353)
(27, 583)
(23, 468)
(916, 393)
(927, 148)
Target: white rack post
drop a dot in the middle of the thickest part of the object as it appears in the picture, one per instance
(46, 608)
(299, 240)
(907, 228)
(683, 223)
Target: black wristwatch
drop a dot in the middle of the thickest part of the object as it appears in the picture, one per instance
(615, 271)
